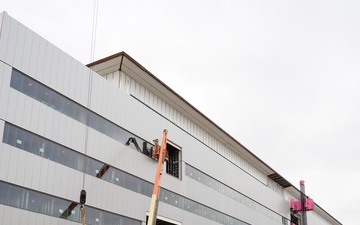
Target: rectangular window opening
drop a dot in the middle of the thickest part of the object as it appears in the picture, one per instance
(173, 166)
(294, 219)
(163, 221)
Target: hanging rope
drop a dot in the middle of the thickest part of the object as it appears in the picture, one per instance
(83, 219)
(92, 54)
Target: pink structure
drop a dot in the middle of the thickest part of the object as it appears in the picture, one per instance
(309, 204)
(296, 205)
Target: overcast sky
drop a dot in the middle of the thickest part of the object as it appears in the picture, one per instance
(282, 77)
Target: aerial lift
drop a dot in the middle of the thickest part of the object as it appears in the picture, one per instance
(160, 153)
(301, 206)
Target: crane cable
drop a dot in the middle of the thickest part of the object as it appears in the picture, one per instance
(92, 54)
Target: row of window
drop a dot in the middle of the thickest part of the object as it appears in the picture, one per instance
(34, 201)
(42, 147)
(199, 209)
(229, 192)
(64, 105)
(45, 148)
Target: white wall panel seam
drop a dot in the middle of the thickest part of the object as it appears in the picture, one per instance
(4, 38)
(11, 45)
(25, 61)
(41, 58)
(19, 48)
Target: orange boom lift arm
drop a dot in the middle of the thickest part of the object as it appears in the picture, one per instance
(161, 154)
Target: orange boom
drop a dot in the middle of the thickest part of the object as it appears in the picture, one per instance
(161, 154)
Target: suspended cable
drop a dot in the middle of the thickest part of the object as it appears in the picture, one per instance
(94, 29)
(92, 54)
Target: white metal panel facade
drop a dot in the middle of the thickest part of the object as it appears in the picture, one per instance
(231, 194)
(183, 122)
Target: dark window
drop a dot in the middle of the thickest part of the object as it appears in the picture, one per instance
(93, 167)
(4, 193)
(34, 201)
(80, 114)
(173, 165)
(16, 197)
(44, 94)
(68, 108)
(20, 137)
(64, 105)
(30, 87)
(17, 80)
(294, 219)
(56, 101)
(32, 143)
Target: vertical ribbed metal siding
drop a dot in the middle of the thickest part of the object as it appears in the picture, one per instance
(132, 87)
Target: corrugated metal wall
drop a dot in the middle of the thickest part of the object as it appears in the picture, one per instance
(130, 86)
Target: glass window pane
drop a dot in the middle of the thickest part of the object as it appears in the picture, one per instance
(121, 135)
(42, 147)
(52, 152)
(44, 94)
(60, 207)
(30, 87)
(68, 108)
(93, 216)
(4, 193)
(61, 156)
(16, 197)
(74, 213)
(70, 158)
(93, 167)
(20, 138)
(80, 113)
(101, 125)
(35, 145)
(16, 80)
(11, 135)
(111, 131)
(122, 178)
(56, 101)
(92, 120)
(33, 201)
(110, 218)
(81, 163)
(27, 140)
(108, 173)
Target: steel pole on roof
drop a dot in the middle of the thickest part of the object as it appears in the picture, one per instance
(302, 198)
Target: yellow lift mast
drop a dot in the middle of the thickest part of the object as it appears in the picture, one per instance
(161, 154)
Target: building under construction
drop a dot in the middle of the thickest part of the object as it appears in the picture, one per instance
(67, 127)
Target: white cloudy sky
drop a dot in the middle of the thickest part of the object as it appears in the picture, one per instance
(282, 77)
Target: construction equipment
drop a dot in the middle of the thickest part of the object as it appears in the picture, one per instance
(160, 153)
(82, 207)
(133, 140)
(302, 206)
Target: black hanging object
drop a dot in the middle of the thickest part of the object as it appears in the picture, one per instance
(82, 197)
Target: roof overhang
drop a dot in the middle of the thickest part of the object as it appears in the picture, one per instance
(125, 63)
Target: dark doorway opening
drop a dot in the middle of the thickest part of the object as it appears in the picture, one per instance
(160, 222)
